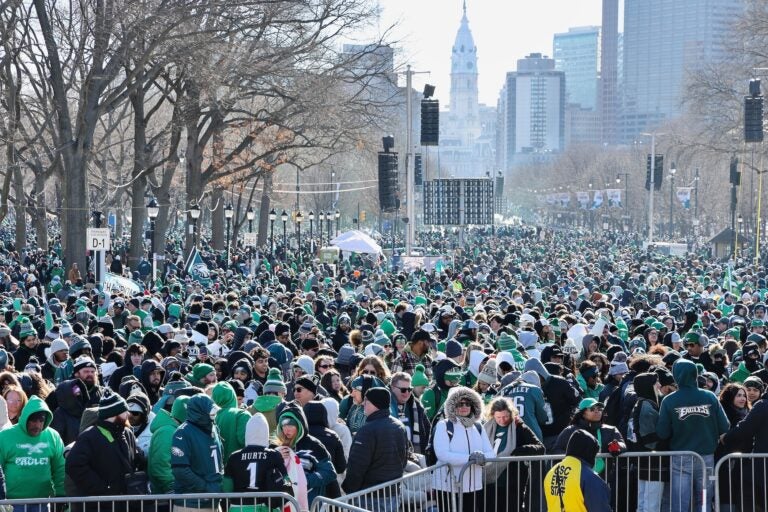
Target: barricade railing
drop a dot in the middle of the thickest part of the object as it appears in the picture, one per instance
(658, 480)
(202, 502)
(741, 483)
(413, 492)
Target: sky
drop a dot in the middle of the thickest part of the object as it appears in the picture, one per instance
(504, 31)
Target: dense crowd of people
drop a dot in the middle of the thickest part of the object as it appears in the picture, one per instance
(320, 381)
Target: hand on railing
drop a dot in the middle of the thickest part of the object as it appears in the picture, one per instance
(477, 458)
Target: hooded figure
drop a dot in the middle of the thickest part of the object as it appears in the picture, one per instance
(434, 397)
(196, 453)
(641, 437)
(159, 457)
(526, 391)
(315, 459)
(32, 460)
(467, 444)
(153, 391)
(270, 474)
(230, 419)
(317, 421)
(72, 399)
(572, 484)
(561, 398)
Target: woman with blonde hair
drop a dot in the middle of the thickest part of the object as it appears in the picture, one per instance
(16, 399)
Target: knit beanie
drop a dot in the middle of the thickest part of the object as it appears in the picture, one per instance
(274, 382)
(112, 405)
(26, 329)
(368, 337)
(135, 337)
(488, 374)
(83, 362)
(453, 348)
(419, 377)
(308, 382)
(506, 342)
(379, 397)
(200, 371)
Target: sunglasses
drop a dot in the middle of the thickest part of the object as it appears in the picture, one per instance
(298, 389)
(271, 393)
(368, 372)
(464, 404)
(326, 366)
(405, 390)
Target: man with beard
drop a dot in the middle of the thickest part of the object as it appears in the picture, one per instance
(694, 350)
(341, 335)
(85, 370)
(151, 377)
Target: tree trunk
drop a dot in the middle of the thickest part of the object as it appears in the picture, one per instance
(193, 160)
(139, 185)
(266, 201)
(20, 207)
(39, 216)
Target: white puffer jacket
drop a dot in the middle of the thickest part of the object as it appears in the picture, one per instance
(465, 440)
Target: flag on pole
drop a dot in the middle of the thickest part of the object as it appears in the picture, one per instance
(196, 268)
(728, 283)
(48, 317)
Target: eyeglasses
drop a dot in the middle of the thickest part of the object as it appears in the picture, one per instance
(405, 390)
(326, 366)
(368, 372)
(298, 389)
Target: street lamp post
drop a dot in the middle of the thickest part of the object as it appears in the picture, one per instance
(284, 218)
(299, 218)
(194, 214)
(272, 217)
(328, 217)
(98, 256)
(250, 215)
(625, 176)
(311, 237)
(321, 219)
(229, 212)
(338, 216)
(672, 172)
(152, 212)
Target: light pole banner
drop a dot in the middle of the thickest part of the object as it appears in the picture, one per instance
(597, 201)
(551, 199)
(614, 197)
(684, 196)
(564, 198)
(583, 199)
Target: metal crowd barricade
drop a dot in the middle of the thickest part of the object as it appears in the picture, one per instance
(661, 481)
(413, 492)
(741, 483)
(217, 502)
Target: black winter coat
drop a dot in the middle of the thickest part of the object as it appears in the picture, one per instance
(379, 452)
(98, 462)
(563, 399)
(72, 399)
(317, 418)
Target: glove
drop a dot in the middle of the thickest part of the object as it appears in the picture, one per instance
(477, 458)
(614, 448)
(307, 464)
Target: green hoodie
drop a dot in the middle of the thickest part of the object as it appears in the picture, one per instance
(230, 419)
(33, 466)
(741, 373)
(691, 418)
(159, 457)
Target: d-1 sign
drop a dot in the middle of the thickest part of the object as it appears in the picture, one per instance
(98, 239)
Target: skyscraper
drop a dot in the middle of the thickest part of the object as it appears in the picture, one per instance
(577, 54)
(663, 41)
(609, 99)
(534, 110)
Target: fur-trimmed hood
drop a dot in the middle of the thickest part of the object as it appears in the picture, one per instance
(459, 393)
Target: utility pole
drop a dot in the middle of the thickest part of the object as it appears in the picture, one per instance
(409, 187)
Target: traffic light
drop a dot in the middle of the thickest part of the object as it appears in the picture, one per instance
(753, 113)
(430, 122)
(735, 175)
(418, 170)
(387, 181)
(658, 172)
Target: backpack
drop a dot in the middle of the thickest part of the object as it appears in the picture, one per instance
(429, 453)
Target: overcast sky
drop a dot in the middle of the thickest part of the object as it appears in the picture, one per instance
(504, 31)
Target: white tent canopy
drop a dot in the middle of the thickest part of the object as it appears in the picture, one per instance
(356, 241)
